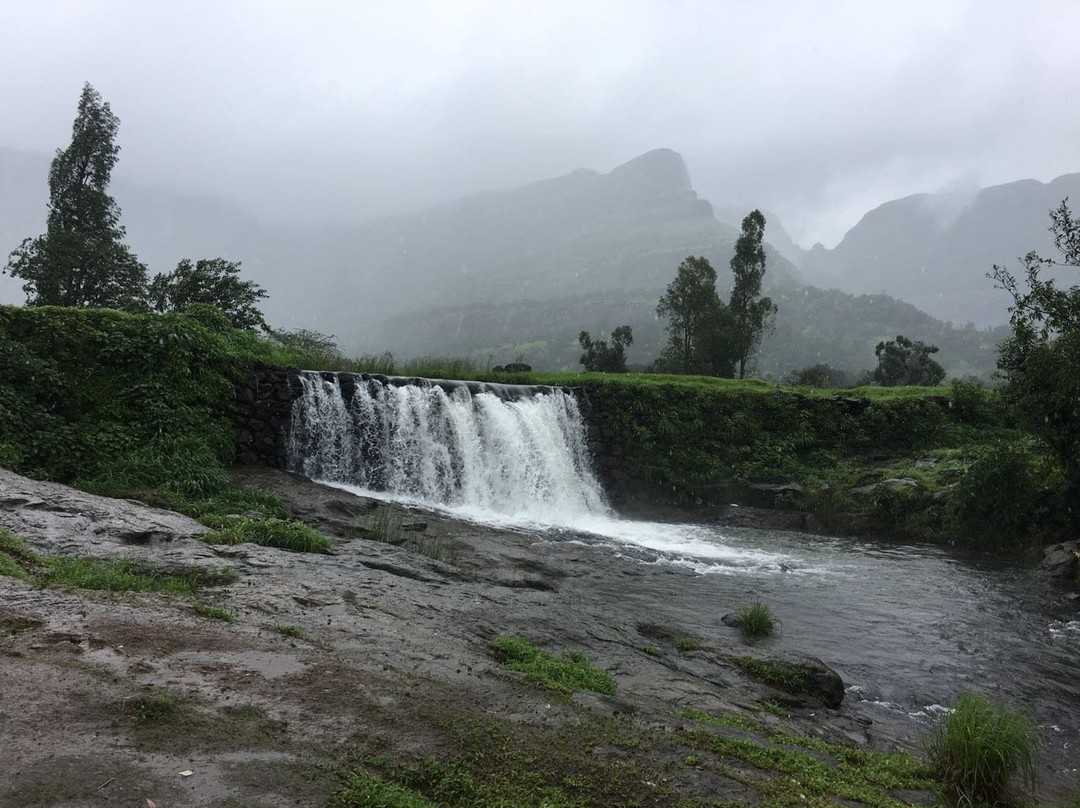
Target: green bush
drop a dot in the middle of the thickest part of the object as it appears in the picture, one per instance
(996, 500)
(983, 752)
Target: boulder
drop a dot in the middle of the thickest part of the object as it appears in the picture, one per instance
(1062, 561)
(821, 685)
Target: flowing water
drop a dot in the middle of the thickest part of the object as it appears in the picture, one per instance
(907, 627)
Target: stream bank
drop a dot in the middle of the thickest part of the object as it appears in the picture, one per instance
(371, 655)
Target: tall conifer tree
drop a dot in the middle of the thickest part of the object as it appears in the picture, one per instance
(81, 260)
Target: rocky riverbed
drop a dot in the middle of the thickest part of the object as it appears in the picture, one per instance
(372, 655)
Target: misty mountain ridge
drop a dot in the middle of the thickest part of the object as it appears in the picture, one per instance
(934, 250)
(521, 270)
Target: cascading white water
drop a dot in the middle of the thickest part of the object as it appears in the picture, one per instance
(474, 449)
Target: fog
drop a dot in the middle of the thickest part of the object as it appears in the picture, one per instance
(343, 110)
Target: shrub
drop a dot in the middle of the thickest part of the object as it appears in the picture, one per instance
(755, 620)
(980, 750)
(996, 500)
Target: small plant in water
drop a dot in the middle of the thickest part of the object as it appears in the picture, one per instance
(755, 620)
(983, 751)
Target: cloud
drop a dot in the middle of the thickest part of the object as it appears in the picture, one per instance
(345, 109)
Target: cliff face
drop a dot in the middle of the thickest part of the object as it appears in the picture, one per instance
(934, 250)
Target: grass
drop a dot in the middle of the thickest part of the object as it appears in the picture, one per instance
(102, 574)
(285, 534)
(295, 632)
(774, 707)
(387, 526)
(983, 752)
(365, 791)
(110, 575)
(778, 674)
(212, 612)
(755, 620)
(687, 643)
(806, 779)
(152, 708)
(724, 719)
(565, 673)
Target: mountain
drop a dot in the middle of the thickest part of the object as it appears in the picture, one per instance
(500, 274)
(934, 250)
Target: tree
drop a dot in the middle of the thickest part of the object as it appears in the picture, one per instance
(214, 281)
(903, 362)
(1040, 361)
(752, 314)
(699, 324)
(599, 356)
(820, 375)
(80, 260)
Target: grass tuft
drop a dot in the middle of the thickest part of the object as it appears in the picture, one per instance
(295, 632)
(365, 791)
(755, 620)
(284, 534)
(110, 575)
(566, 673)
(687, 643)
(152, 708)
(983, 751)
(774, 707)
(212, 612)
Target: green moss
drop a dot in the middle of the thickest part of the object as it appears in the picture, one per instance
(568, 672)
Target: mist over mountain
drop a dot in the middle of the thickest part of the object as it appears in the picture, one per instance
(504, 275)
(934, 250)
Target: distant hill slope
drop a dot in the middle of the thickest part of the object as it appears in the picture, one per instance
(500, 273)
(934, 250)
(813, 326)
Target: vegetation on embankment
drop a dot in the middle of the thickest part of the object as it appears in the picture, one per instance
(937, 464)
(133, 405)
(138, 405)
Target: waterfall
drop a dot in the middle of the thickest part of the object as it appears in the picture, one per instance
(515, 451)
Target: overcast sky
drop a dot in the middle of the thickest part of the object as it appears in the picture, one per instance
(815, 110)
